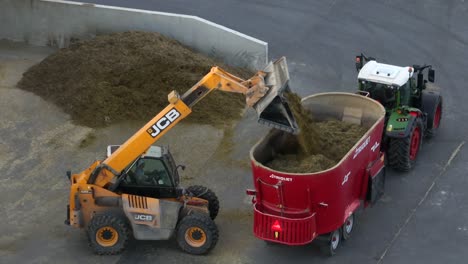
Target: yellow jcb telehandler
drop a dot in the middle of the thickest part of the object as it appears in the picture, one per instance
(135, 190)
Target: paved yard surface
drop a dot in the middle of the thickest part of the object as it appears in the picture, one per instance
(422, 218)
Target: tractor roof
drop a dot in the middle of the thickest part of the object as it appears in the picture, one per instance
(385, 73)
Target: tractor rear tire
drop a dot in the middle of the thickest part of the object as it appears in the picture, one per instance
(206, 194)
(433, 119)
(432, 105)
(108, 234)
(197, 234)
(402, 152)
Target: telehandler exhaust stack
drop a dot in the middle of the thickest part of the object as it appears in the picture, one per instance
(273, 109)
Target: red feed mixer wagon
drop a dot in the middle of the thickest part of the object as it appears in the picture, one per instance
(296, 208)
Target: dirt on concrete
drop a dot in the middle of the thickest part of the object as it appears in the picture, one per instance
(127, 76)
(319, 145)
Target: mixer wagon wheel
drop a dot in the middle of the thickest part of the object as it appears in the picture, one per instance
(348, 227)
(403, 152)
(332, 244)
(207, 194)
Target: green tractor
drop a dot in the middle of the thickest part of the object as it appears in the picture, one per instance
(413, 106)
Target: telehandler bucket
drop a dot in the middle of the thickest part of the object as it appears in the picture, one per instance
(263, 92)
(272, 108)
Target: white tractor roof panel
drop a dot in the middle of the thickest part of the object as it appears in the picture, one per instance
(385, 73)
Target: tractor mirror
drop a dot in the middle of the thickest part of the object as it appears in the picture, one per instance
(431, 75)
(359, 63)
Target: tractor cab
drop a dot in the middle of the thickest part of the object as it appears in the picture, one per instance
(153, 174)
(393, 86)
(413, 106)
(389, 85)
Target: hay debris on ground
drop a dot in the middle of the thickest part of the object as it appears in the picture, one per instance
(127, 76)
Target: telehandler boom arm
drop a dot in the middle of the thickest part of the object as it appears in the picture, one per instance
(263, 92)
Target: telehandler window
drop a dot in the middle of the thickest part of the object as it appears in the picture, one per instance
(148, 177)
(149, 172)
(156, 170)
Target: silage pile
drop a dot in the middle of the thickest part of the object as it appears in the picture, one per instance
(127, 76)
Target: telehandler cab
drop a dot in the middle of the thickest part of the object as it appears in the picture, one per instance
(136, 188)
(413, 106)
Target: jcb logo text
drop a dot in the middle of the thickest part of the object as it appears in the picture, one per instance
(163, 123)
(143, 217)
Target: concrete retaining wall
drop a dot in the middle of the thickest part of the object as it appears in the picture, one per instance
(54, 23)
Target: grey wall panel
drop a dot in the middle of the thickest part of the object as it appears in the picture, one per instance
(55, 23)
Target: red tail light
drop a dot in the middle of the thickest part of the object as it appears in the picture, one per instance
(415, 114)
(276, 227)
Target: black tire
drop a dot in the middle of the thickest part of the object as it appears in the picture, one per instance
(197, 234)
(399, 150)
(108, 234)
(348, 227)
(206, 194)
(432, 123)
(332, 244)
(432, 105)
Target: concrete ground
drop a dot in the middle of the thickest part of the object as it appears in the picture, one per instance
(421, 219)
(38, 143)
